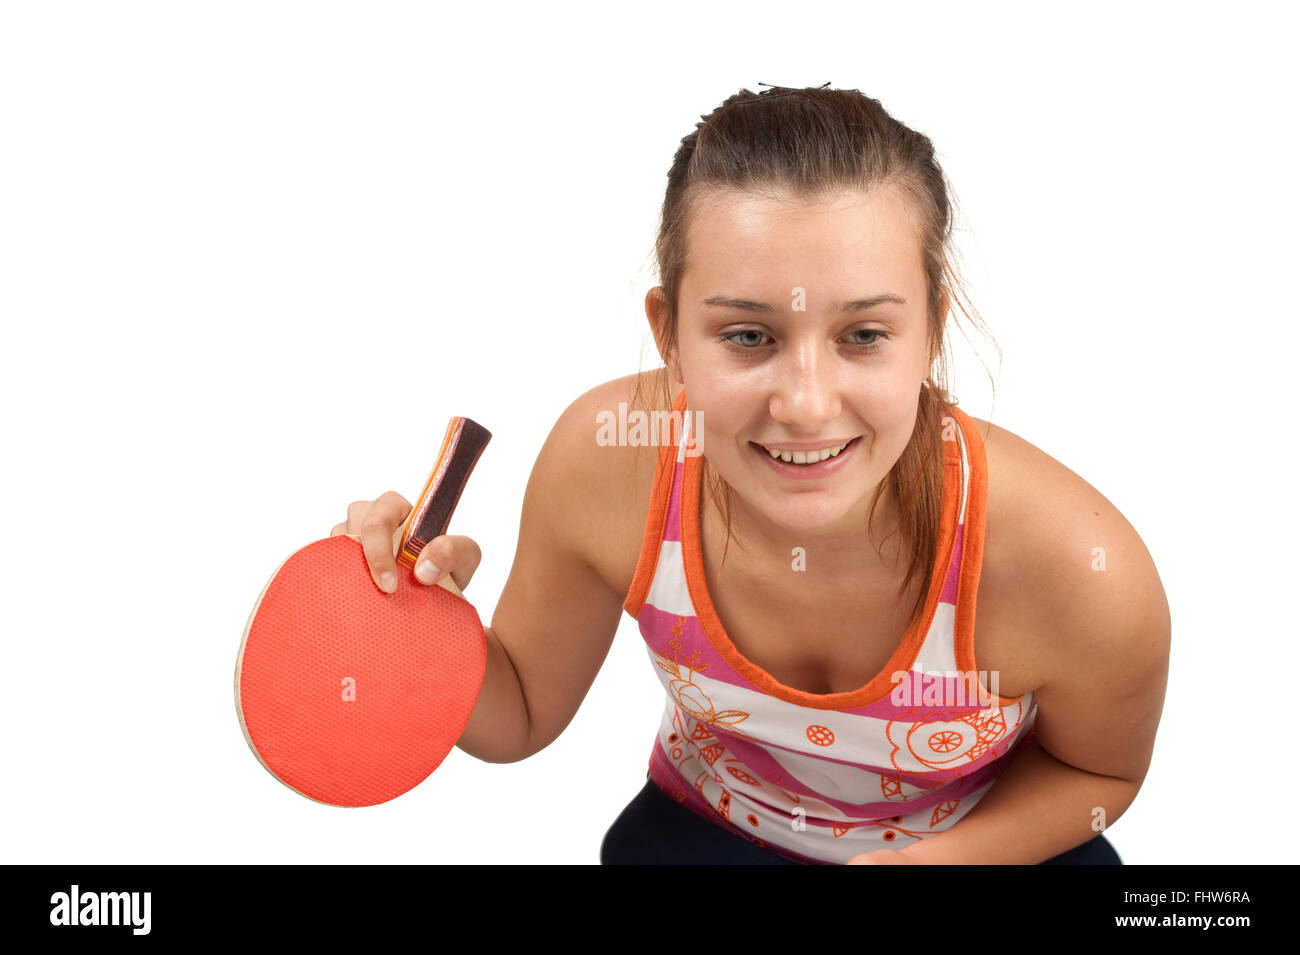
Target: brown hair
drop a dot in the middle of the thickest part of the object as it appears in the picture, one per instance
(811, 142)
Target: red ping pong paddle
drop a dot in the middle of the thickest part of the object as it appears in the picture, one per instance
(352, 696)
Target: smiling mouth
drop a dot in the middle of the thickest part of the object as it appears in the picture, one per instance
(805, 457)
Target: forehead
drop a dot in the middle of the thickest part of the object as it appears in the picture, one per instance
(845, 238)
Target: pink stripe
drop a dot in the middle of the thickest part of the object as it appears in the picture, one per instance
(949, 593)
(657, 630)
(906, 700)
(673, 522)
(955, 782)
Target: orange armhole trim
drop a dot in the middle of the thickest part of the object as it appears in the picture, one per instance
(653, 536)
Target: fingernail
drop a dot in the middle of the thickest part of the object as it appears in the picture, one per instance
(427, 571)
(388, 582)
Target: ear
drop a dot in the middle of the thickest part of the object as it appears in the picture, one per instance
(656, 310)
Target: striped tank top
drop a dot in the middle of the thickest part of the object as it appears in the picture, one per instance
(820, 778)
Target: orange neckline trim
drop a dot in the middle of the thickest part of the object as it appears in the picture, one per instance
(904, 654)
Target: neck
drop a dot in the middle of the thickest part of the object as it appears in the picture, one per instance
(844, 549)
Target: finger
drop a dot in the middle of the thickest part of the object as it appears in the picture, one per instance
(378, 529)
(356, 514)
(453, 555)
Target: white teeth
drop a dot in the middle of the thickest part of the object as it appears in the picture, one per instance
(805, 457)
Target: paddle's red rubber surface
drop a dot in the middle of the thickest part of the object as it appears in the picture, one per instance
(349, 695)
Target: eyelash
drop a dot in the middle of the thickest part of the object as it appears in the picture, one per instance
(873, 347)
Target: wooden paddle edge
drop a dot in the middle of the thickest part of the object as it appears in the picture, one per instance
(239, 666)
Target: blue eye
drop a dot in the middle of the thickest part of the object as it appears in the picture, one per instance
(731, 338)
(874, 343)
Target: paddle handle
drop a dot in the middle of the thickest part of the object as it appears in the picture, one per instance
(461, 447)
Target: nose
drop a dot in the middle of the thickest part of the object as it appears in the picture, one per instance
(806, 394)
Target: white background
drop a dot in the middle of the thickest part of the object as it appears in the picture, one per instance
(253, 256)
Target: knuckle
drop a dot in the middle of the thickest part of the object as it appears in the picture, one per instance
(438, 552)
(465, 549)
(373, 522)
(393, 499)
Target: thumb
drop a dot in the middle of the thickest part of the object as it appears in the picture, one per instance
(449, 560)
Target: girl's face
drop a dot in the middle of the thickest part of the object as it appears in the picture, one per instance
(802, 326)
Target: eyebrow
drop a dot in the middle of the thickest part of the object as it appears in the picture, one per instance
(857, 305)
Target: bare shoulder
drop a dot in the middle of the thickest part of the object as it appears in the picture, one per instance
(1080, 571)
(600, 483)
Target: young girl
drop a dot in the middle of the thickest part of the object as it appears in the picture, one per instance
(831, 694)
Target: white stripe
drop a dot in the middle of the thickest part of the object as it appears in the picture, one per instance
(687, 425)
(938, 652)
(668, 591)
(965, 470)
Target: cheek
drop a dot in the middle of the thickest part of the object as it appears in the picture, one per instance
(893, 392)
(719, 430)
(722, 406)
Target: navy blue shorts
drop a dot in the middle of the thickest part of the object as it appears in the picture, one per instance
(655, 830)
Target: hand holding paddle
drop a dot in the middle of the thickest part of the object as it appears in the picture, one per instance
(378, 526)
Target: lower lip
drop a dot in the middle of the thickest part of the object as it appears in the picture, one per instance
(806, 472)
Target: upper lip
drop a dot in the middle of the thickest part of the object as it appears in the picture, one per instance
(805, 445)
